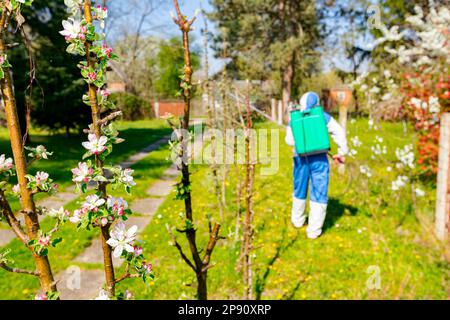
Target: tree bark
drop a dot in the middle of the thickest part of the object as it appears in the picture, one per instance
(248, 220)
(202, 289)
(199, 266)
(107, 252)
(28, 206)
(287, 80)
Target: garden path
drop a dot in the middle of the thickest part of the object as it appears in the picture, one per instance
(76, 283)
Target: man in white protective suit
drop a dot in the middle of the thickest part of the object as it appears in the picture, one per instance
(314, 170)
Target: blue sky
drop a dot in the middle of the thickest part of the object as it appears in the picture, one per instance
(188, 8)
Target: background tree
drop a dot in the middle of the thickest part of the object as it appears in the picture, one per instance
(54, 83)
(129, 29)
(170, 63)
(269, 39)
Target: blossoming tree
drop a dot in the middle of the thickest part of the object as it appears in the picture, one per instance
(31, 235)
(424, 79)
(100, 210)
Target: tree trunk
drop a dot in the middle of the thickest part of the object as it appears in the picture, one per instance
(202, 288)
(287, 80)
(28, 206)
(248, 220)
(107, 252)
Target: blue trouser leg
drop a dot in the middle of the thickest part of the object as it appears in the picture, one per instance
(301, 177)
(320, 176)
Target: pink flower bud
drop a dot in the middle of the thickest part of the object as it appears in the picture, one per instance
(44, 241)
(16, 189)
(147, 267)
(104, 222)
(92, 76)
(42, 296)
(138, 250)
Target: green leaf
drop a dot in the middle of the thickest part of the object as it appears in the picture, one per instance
(56, 241)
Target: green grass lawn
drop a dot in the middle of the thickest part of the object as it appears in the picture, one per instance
(368, 229)
(67, 152)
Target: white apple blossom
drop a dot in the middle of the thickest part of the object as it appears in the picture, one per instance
(92, 202)
(5, 163)
(117, 204)
(82, 173)
(122, 239)
(78, 215)
(40, 152)
(431, 38)
(103, 295)
(60, 213)
(126, 177)
(101, 13)
(95, 145)
(41, 177)
(16, 190)
(72, 28)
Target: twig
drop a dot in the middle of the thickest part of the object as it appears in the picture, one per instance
(109, 118)
(127, 275)
(180, 250)
(18, 270)
(211, 244)
(5, 210)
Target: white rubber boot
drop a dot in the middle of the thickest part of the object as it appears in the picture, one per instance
(298, 216)
(317, 213)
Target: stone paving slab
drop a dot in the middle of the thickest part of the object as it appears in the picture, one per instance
(6, 235)
(58, 200)
(172, 172)
(147, 206)
(93, 253)
(77, 284)
(161, 188)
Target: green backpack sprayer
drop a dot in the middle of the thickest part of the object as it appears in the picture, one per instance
(310, 131)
